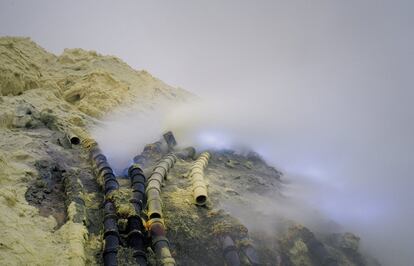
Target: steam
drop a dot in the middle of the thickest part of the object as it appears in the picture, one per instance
(351, 166)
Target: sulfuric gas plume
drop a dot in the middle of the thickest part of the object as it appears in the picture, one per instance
(350, 166)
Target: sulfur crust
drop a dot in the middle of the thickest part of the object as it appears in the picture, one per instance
(71, 91)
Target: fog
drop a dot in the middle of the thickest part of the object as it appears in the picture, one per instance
(322, 89)
(348, 167)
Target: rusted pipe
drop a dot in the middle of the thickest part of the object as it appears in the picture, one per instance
(160, 243)
(197, 176)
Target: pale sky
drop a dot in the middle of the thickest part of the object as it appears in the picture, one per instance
(341, 73)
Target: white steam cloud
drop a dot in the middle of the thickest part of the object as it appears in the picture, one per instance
(350, 162)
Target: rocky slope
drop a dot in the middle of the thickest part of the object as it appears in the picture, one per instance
(45, 180)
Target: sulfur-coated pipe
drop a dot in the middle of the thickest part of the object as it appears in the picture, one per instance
(153, 189)
(197, 177)
(155, 225)
(73, 138)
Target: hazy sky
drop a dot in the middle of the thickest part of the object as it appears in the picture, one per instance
(329, 85)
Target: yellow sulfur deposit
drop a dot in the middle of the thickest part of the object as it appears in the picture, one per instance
(42, 94)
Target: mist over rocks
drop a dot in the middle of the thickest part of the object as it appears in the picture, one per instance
(43, 95)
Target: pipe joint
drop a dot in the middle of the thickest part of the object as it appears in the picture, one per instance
(156, 239)
(162, 170)
(140, 254)
(135, 233)
(154, 221)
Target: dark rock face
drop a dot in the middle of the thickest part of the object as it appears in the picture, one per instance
(47, 191)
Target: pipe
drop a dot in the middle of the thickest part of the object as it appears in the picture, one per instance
(160, 243)
(135, 227)
(155, 224)
(109, 183)
(103, 170)
(94, 152)
(170, 139)
(229, 251)
(73, 138)
(153, 189)
(249, 251)
(197, 176)
(77, 135)
(111, 235)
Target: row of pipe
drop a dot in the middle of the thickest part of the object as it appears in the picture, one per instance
(135, 227)
(111, 234)
(155, 224)
(197, 176)
(147, 194)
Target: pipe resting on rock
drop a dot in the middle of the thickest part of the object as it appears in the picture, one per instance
(73, 138)
(153, 189)
(111, 235)
(250, 252)
(160, 243)
(109, 183)
(197, 177)
(230, 253)
(155, 225)
(136, 230)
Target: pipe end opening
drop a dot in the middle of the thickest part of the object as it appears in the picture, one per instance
(201, 200)
(75, 141)
(155, 215)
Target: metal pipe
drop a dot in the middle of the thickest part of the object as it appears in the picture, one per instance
(155, 224)
(249, 251)
(109, 183)
(160, 243)
(77, 135)
(197, 176)
(135, 227)
(153, 189)
(111, 235)
(230, 253)
(170, 140)
(103, 170)
(73, 138)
